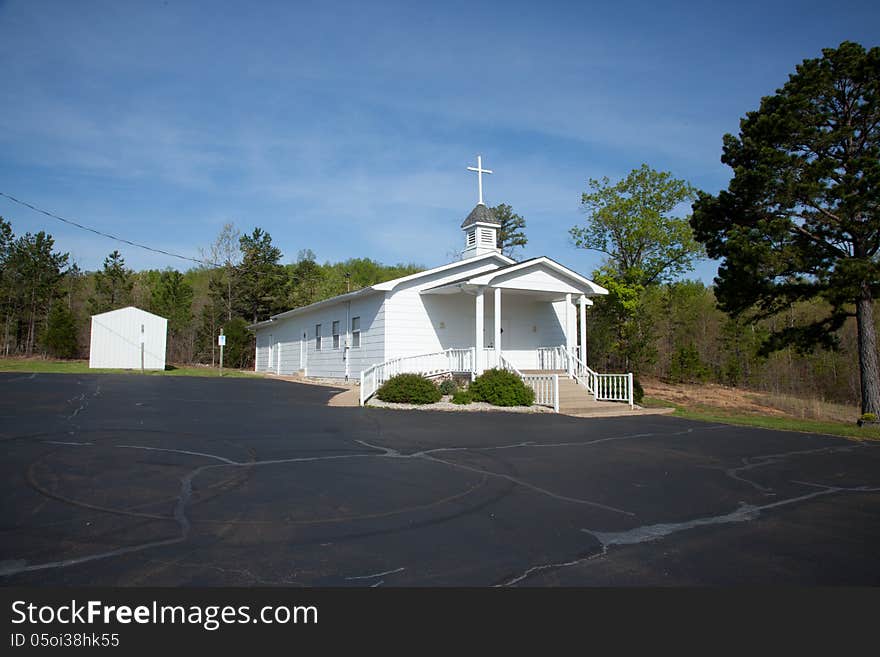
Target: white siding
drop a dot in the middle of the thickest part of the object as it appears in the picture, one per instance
(414, 320)
(404, 322)
(528, 324)
(116, 339)
(262, 356)
(287, 339)
(420, 323)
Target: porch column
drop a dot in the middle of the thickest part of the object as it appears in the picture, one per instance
(478, 335)
(569, 334)
(498, 327)
(583, 308)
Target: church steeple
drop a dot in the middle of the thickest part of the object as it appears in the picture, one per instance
(481, 225)
(480, 232)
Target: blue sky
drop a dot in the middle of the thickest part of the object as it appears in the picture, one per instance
(346, 128)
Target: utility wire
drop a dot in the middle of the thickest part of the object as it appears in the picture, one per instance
(112, 237)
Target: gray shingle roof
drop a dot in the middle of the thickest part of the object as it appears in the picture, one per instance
(482, 214)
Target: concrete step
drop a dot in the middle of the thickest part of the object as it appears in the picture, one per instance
(575, 409)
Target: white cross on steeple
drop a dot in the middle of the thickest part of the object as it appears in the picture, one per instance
(480, 171)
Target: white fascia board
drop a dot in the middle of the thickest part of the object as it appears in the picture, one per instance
(326, 302)
(265, 322)
(486, 279)
(390, 285)
(452, 288)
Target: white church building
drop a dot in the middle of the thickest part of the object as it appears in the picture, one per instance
(485, 310)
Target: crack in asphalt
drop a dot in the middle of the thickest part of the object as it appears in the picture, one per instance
(375, 575)
(18, 566)
(752, 462)
(424, 455)
(642, 534)
(83, 399)
(658, 531)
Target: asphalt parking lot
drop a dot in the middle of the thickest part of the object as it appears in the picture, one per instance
(175, 481)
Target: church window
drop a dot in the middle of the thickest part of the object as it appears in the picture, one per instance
(355, 331)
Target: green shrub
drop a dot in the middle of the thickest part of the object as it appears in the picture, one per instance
(448, 387)
(868, 417)
(638, 391)
(409, 389)
(462, 397)
(501, 388)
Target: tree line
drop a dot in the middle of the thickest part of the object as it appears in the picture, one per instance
(47, 300)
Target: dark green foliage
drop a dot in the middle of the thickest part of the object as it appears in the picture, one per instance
(59, 338)
(409, 389)
(511, 232)
(261, 281)
(448, 387)
(172, 298)
(239, 349)
(638, 391)
(32, 276)
(501, 388)
(799, 220)
(113, 285)
(306, 279)
(686, 366)
(462, 397)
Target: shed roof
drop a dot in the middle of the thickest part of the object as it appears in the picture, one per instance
(129, 308)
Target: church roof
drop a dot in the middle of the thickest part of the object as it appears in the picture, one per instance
(485, 278)
(480, 214)
(381, 287)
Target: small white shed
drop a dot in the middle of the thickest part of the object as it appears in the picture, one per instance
(118, 336)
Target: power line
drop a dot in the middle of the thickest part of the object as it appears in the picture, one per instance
(112, 237)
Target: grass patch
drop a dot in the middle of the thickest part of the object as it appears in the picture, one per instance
(45, 366)
(725, 416)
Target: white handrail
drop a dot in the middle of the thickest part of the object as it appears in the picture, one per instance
(545, 386)
(433, 364)
(603, 387)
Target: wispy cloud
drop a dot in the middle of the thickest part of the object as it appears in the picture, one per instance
(346, 127)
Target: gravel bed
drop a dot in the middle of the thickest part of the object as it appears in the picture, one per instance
(446, 405)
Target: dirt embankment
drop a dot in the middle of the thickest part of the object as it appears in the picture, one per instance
(739, 400)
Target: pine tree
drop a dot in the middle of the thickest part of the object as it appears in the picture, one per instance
(113, 285)
(799, 220)
(511, 233)
(59, 338)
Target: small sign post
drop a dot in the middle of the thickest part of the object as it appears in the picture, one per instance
(142, 348)
(221, 340)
